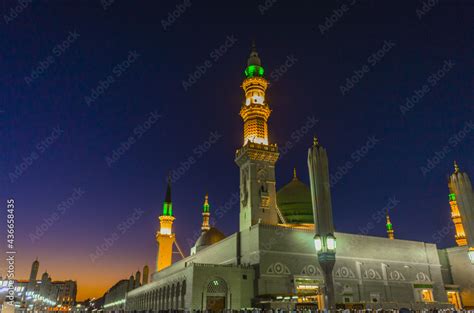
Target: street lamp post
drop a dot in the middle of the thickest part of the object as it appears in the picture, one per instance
(324, 239)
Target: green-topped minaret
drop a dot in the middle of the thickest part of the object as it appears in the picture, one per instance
(257, 156)
(205, 215)
(254, 66)
(165, 236)
(390, 231)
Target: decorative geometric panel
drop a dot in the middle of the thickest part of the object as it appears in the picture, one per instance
(217, 285)
(344, 272)
(396, 275)
(372, 274)
(278, 269)
(422, 277)
(310, 270)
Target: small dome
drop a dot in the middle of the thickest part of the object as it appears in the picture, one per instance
(294, 202)
(209, 237)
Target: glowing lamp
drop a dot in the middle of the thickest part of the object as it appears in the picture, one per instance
(318, 243)
(165, 231)
(331, 242)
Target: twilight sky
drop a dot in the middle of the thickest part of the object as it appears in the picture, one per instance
(101, 99)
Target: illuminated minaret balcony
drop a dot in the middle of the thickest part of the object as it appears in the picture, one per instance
(255, 110)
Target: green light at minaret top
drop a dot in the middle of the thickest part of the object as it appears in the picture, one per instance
(168, 205)
(205, 207)
(254, 66)
(389, 224)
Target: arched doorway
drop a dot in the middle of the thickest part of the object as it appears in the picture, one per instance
(216, 295)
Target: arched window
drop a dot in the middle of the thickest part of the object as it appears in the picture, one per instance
(177, 297)
(216, 298)
(183, 293)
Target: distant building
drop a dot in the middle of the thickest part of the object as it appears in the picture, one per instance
(43, 294)
(114, 298)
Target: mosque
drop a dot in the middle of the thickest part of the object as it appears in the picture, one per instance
(286, 253)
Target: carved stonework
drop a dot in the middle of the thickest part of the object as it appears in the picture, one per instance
(344, 272)
(422, 277)
(372, 274)
(311, 270)
(396, 275)
(278, 269)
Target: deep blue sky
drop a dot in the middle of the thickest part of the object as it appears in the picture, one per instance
(154, 82)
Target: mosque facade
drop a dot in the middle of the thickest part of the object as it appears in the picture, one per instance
(285, 253)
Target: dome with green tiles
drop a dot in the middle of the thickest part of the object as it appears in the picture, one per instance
(294, 202)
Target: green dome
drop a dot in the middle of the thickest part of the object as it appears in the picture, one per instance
(294, 202)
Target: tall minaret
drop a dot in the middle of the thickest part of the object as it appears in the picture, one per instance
(390, 231)
(165, 236)
(33, 275)
(462, 193)
(460, 235)
(257, 157)
(205, 215)
(324, 239)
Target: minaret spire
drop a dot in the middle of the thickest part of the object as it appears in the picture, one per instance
(294, 174)
(167, 204)
(205, 215)
(390, 231)
(255, 111)
(165, 236)
(461, 200)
